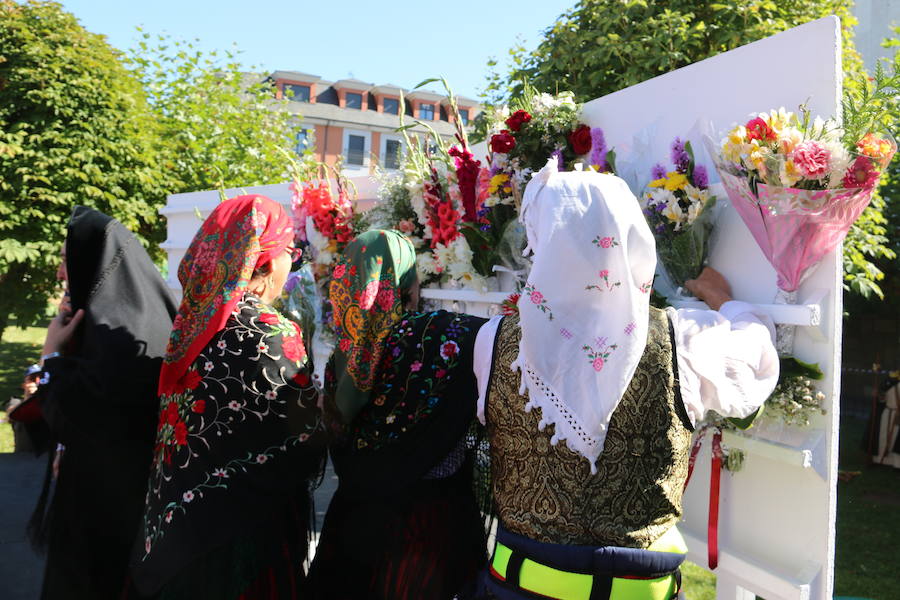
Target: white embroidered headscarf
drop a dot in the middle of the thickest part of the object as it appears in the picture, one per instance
(585, 308)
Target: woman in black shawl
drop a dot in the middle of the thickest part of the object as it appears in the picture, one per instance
(240, 441)
(404, 523)
(101, 364)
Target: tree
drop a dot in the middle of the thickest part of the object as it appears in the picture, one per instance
(601, 46)
(74, 129)
(221, 126)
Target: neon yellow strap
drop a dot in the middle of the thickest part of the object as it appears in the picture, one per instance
(554, 583)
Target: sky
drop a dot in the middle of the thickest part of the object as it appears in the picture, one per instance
(394, 41)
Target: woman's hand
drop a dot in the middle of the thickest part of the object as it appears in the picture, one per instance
(60, 331)
(711, 287)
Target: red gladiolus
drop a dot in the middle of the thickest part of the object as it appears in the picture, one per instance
(502, 142)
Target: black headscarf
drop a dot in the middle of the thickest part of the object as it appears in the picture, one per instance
(101, 403)
(117, 352)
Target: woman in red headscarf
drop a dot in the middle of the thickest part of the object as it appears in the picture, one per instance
(239, 437)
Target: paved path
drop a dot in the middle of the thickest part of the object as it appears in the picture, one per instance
(21, 569)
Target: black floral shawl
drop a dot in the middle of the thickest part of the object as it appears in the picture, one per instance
(421, 407)
(236, 445)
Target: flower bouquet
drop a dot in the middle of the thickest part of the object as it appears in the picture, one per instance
(679, 210)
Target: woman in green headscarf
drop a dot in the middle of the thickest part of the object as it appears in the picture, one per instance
(400, 398)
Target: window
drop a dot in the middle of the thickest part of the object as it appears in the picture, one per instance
(391, 154)
(392, 106)
(426, 112)
(356, 150)
(464, 115)
(302, 141)
(353, 100)
(297, 93)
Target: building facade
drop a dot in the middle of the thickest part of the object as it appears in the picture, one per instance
(357, 121)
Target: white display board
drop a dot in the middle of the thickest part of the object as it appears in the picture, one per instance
(777, 515)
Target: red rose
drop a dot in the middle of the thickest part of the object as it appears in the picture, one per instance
(518, 118)
(580, 139)
(181, 433)
(199, 406)
(269, 318)
(293, 348)
(171, 413)
(503, 142)
(301, 379)
(191, 380)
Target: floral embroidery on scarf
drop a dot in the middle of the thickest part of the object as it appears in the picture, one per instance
(350, 325)
(538, 299)
(420, 360)
(604, 278)
(565, 333)
(646, 287)
(605, 242)
(629, 329)
(599, 354)
(208, 407)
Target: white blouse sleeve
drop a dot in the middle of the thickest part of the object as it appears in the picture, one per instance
(483, 358)
(726, 360)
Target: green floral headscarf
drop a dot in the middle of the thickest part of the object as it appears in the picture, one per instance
(365, 296)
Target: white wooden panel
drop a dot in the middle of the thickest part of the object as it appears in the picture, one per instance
(778, 513)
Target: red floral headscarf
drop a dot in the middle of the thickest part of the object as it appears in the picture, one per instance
(239, 236)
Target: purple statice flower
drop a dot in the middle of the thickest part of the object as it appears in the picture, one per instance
(661, 206)
(658, 172)
(680, 157)
(701, 179)
(484, 227)
(598, 148)
(660, 228)
(561, 164)
(483, 211)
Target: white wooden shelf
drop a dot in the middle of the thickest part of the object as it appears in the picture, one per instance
(807, 313)
(808, 453)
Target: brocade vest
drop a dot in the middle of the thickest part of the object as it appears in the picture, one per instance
(547, 493)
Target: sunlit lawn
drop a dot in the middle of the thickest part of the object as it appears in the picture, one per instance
(18, 349)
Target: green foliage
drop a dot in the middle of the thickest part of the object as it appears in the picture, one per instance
(74, 129)
(221, 126)
(601, 46)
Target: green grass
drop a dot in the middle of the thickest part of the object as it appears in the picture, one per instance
(868, 523)
(698, 583)
(18, 349)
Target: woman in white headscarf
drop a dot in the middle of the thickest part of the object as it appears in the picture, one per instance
(590, 396)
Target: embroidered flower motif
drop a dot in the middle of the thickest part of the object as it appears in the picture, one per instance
(221, 473)
(262, 347)
(303, 437)
(440, 373)
(538, 299)
(269, 318)
(390, 419)
(629, 329)
(415, 366)
(339, 271)
(385, 299)
(301, 378)
(188, 496)
(169, 517)
(368, 295)
(449, 350)
(607, 286)
(565, 333)
(181, 433)
(600, 354)
(191, 379)
(221, 345)
(271, 395)
(646, 287)
(261, 458)
(605, 242)
(208, 366)
(345, 344)
(199, 406)
(147, 545)
(234, 405)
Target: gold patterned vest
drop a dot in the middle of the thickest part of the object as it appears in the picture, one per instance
(548, 494)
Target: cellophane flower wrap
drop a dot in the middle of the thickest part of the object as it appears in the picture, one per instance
(799, 184)
(680, 211)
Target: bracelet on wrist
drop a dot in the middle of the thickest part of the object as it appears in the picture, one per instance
(47, 357)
